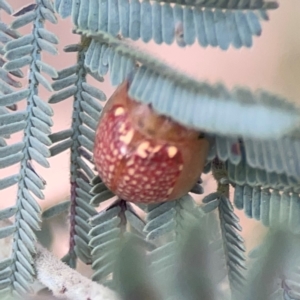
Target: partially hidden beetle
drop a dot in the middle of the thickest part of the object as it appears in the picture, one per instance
(145, 157)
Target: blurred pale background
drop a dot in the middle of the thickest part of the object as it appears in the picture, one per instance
(272, 64)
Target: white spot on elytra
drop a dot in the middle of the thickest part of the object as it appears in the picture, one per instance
(172, 151)
(110, 158)
(111, 168)
(130, 171)
(126, 139)
(130, 162)
(119, 111)
(141, 150)
(107, 157)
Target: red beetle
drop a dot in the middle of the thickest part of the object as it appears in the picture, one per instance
(145, 157)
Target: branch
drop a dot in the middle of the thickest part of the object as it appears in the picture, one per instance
(66, 283)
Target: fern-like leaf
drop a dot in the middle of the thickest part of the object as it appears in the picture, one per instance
(72, 82)
(165, 89)
(229, 224)
(233, 246)
(165, 224)
(164, 23)
(110, 228)
(273, 208)
(219, 4)
(6, 7)
(36, 122)
(264, 194)
(278, 156)
(232, 242)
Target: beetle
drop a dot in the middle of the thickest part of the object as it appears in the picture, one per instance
(145, 157)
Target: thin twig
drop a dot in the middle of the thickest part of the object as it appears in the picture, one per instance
(66, 283)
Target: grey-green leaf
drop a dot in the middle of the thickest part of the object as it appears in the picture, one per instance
(7, 231)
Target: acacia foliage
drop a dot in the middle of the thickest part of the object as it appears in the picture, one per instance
(200, 246)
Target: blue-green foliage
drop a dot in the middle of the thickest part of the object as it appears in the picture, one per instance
(165, 226)
(257, 161)
(173, 250)
(182, 98)
(35, 121)
(109, 229)
(265, 174)
(278, 156)
(272, 207)
(72, 82)
(165, 23)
